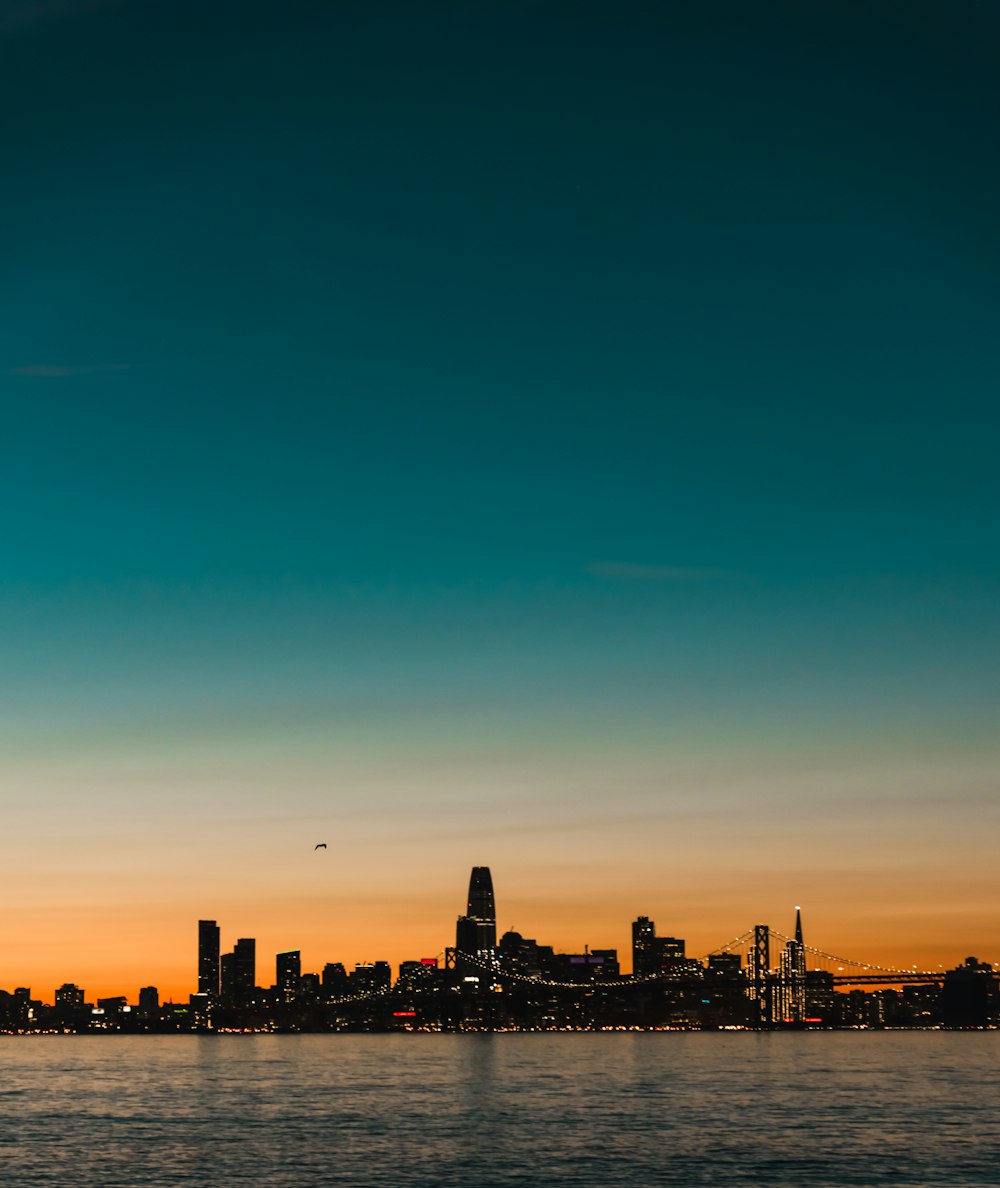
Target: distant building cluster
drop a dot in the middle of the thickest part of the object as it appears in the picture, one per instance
(514, 983)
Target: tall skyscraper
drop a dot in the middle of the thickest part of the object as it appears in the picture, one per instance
(288, 973)
(476, 931)
(791, 988)
(643, 946)
(239, 972)
(208, 958)
(481, 905)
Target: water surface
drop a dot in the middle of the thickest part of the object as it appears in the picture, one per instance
(832, 1109)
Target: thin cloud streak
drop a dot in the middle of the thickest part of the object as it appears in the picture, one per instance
(633, 571)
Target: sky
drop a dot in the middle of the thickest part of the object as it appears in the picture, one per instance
(546, 434)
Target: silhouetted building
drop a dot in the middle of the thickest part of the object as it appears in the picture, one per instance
(643, 947)
(481, 903)
(525, 956)
(22, 1007)
(70, 1010)
(820, 997)
(476, 931)
(149, 1002)
(334, 979)
(653, 955)
(69, 995)
(790, 1004)
(115, 1007)
(200, 1006)
(371, 977)
(208, 958)
(970, 996)
(239, 972)
(288, 973)
(593, 965)
(725, 965)
(419, 977)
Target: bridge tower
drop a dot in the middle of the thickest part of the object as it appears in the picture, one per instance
(758, 984)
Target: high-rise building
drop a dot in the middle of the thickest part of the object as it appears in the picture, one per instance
(371, 977)
(334, 979)
(239, 972)
(476, 931)
(208, 958)
(790, 1006)
(149, 1002)
(69, 995)
(643, 944)
(652, 954)
(481, 905)
(288, 973)
(244, 968)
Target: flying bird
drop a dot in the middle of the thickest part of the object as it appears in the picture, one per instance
(319, 846)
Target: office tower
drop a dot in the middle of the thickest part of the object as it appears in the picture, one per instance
(481, 905)
(239, 972)
(208, 958)
(371, 977)
(245, 969)
(289, 971)
(791, 988)
(669, 953)
(227, 975)
(970, 995)
(149, 1002)
(69, 995)
(652, 954)
(334, 979)
(726, 965)
(643, 944)
(524, 955)
(476, 932)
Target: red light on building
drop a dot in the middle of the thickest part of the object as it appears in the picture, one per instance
(404, 1014)
(429, 961)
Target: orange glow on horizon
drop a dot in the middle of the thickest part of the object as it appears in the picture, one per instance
(117, 952)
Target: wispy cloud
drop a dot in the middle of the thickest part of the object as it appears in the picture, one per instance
(62, 370)
(635, 571)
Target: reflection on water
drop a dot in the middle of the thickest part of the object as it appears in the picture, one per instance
(634, 1109)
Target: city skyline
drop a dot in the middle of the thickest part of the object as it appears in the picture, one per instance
(217, 940)
(762, 980)
(540, 433)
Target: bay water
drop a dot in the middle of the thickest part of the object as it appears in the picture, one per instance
(804, 1109)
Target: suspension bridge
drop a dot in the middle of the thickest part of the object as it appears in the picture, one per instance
(690, 973)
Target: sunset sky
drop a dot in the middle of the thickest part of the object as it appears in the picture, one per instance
(550, 434)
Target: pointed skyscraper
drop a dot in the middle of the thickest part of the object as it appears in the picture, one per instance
(476, 933)
(481, 905)
(791, 988)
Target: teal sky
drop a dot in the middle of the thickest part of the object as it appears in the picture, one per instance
(555, 435)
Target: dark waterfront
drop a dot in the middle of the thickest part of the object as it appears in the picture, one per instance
(812, 1109)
